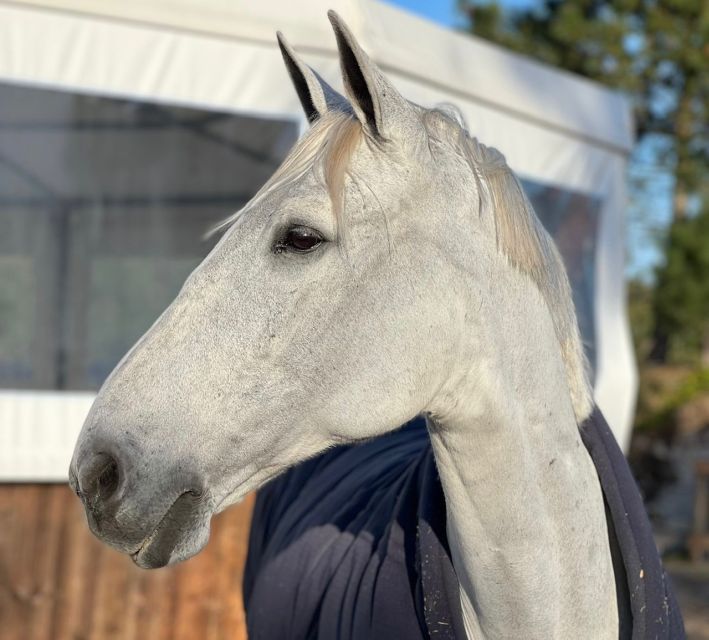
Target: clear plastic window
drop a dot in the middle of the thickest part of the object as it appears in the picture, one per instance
(572, 220)
(104, 204)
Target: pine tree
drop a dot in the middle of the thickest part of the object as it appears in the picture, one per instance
(681, 297)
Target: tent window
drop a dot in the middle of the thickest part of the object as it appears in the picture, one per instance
(572, 219)
(103, 208)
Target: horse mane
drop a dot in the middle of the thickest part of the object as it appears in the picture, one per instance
(523, 240)
(521, 237)
(325, 149)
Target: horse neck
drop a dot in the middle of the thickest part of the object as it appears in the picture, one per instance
(526, 521)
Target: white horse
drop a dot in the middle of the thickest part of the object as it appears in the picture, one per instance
(391, 267)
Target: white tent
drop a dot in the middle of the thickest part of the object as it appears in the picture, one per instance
(104, 103)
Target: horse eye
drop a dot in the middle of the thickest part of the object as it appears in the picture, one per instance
(299, 240)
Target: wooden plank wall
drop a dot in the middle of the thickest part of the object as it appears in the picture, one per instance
(58, 582)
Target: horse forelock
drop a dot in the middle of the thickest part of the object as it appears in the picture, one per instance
(325, 150)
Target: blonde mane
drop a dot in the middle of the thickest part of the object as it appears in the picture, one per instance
(523, 240)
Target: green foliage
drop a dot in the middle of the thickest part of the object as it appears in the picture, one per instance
(681, 299)
(693, 385)
(640, 312)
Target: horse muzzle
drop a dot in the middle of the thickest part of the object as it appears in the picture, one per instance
(156, 525)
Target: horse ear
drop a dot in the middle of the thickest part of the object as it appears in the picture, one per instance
(316, 95)
(376, 103)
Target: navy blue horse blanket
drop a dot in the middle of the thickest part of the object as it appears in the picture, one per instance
(352, 545)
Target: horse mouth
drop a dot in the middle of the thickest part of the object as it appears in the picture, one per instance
(182, 532)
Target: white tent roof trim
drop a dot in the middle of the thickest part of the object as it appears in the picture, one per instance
(568, 138)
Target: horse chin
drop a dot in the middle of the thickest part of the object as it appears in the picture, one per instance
(182, 533)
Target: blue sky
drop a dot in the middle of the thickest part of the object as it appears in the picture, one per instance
(441, 11)
(444, 11)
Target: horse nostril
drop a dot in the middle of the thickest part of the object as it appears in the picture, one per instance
(108, 479)
(98, 479)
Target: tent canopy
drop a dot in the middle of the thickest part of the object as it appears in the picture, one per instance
(568, 138)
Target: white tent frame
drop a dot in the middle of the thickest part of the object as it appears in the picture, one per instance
(216, 55)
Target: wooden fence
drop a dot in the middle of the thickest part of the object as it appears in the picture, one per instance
(58, 582)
